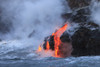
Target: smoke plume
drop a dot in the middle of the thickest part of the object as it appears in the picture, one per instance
(31, 21)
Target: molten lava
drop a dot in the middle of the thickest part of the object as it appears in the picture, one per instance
(57, 41)
(47, 45)
(39, 49)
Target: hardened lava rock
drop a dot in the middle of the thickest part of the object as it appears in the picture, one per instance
(74, 4)
(86, 39)
(86, 42)
(79, 41)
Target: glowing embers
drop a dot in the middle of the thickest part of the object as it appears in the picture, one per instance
(57, 42)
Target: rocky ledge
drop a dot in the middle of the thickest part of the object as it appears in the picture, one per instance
(86, 39)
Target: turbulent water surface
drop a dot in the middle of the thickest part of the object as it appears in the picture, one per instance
(13, 56)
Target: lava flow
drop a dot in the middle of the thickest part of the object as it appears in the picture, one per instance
(47, 45)
(39, 49)
(57, 41)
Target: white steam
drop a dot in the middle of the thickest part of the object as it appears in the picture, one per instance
(96, 12)
(38, 16)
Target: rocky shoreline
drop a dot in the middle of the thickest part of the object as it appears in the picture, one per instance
(86, 39)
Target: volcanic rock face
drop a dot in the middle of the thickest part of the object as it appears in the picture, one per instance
(86, 40)
(74, 4)
(79, 41)
(94, 43)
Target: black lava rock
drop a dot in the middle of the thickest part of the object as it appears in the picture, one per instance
(79, 41)
(74, 4)
(86, 42)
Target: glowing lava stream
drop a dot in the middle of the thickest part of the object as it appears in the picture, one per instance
(57, 41)
(39, 49)
(47, 45)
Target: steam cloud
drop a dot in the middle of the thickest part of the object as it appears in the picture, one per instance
(96, 12)
(32, 20)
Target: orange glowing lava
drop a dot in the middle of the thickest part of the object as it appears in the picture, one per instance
(39, 49)
(47, 45)
(57, 40)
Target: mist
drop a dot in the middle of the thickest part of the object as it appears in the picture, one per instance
(30, 21)
(95, 9)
